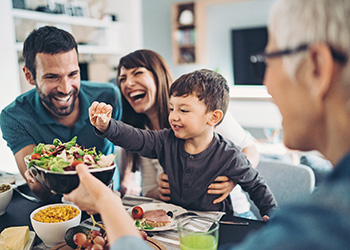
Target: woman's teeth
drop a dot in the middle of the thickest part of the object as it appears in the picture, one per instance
(137, 94)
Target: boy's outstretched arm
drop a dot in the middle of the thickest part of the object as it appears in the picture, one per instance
(100, 115)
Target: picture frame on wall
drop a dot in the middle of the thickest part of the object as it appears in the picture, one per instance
(79, 8)
(75, 8)
(58, 6)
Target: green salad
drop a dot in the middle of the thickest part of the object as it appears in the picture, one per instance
(61, 157)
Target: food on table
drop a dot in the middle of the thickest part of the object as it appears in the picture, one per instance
(137, 212)
(156, 218)
(69, 235)
(148, 220)
(4, 187)
(93, 239)
(81, 237)
(61, 157)
(54, 214)
(14, 238)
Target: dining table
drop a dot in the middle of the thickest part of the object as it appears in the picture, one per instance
(20, 208)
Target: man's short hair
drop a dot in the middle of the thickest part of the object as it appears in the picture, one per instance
(209, 86)
(48, 40)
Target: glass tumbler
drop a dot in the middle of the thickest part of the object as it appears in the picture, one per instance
(198, 232)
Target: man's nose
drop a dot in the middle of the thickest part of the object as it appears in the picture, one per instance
(65, 86)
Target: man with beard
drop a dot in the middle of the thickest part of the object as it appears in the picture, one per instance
(58, 106)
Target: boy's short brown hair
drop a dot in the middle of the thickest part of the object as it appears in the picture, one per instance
(209, 86)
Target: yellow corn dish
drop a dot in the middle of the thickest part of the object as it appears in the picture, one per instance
(56, 214)
(4, 188)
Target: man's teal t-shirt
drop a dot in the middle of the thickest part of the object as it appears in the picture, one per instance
(26, 121)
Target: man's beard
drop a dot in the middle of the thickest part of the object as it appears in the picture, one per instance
(47, 100)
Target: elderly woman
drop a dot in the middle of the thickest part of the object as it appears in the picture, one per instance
(308, 77)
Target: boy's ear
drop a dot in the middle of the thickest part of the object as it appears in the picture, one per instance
(28, 75)
(215, 117)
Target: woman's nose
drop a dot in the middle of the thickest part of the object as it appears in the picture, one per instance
(130, 82)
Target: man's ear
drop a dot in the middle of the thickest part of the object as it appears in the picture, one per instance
(215, 117)
(322, 69)
(28, 75)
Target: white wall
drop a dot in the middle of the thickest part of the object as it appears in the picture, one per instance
(130, 14)
(9, 77)
(221, 18)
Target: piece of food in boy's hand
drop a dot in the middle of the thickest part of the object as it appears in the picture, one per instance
(103, 116)
(137, 212)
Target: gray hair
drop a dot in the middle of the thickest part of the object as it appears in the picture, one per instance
(310, 21)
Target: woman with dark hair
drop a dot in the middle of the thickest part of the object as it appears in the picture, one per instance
(144, 78)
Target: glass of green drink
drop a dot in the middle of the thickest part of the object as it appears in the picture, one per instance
(198, 232)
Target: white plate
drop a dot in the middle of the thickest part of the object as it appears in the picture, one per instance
(30, 242)
(176, 210)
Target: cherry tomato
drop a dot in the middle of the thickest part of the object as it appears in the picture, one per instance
(34, 156)
(137, 212)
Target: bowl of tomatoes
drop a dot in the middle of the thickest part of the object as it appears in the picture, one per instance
(53, 165)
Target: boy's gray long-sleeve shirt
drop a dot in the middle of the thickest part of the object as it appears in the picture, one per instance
(190, 175)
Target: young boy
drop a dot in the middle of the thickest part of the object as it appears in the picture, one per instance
(191, 153)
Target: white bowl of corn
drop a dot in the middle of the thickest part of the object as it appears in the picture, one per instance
(51, 222)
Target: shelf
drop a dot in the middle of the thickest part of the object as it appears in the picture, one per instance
(73, 21)
(63, 19)
(188, 32)
(87, 49)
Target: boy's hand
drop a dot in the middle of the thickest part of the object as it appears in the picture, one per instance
(265, 218)
(100, 115)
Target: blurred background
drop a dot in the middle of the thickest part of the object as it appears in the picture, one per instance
(215, 34)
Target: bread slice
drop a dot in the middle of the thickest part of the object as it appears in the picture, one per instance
(156, 218)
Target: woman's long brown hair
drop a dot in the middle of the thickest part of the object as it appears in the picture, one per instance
(157, 65)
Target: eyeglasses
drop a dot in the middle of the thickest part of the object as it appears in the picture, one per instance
(259, 59)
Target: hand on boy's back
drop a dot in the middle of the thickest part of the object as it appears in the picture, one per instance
(221, 185)
(100, 114)
(164, 188)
